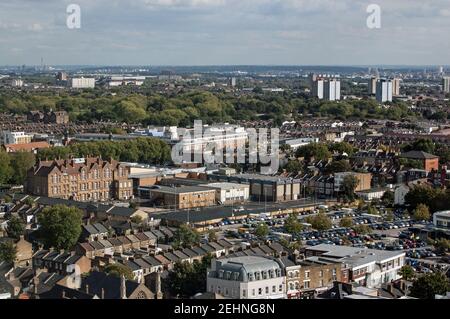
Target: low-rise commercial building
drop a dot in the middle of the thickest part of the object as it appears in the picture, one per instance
(228, 193)
(367, 267)
(248, 277)
(184, 197)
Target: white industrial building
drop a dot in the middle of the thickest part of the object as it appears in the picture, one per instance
(248, 277)
(227, 193)
(82, 83)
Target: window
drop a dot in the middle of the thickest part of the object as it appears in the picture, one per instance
(306, 284)
(244, 292)
(291, 286)
(226, 291)
(260, 291)
(321, 273)
(267, 290)
(321, 283)
(297, 285)
(280, 288)
(274, 289)
(253, 292)
(307, 273)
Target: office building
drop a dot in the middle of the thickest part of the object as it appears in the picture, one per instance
(367, 267)
(82, 83)
(384, 91)
(247, 277)
(233, 82)
(446, 84)
(83, 179)
(266, 188)
(8, 137)
(442, 220)
(229, 193)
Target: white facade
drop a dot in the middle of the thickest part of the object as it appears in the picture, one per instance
(318, 88)
(16, 83)
(82, 83)
(442, 219)
(299, 142)
(371, 194)
(8, 137)
(384, 91)
(115, 81)
(332, 90)
(399, 194)
(230, 192)
(368, 267)
(446, 84)
(248, 277)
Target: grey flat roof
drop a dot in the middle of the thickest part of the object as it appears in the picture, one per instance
(354, 256)
(180, 190)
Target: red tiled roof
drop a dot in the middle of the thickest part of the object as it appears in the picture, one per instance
(28, 147)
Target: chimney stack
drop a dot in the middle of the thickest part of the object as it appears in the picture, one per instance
(123, 290)
(158, 292)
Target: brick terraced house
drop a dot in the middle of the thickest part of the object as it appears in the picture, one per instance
(85, 179)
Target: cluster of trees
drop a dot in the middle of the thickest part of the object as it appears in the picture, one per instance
(186, 279)
(428, 146)
(435, 199)
(14, 167)
(185, 236)
(182, 109)
(320, 221)
(60, 226)
(143, 150)
(320, 151)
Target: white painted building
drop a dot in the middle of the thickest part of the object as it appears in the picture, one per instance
(368, 267)
(227, 193)
(299, 142)
(442, 219)
(82, 83)
(248, 277)
(399, 194)
(371, 194)
(8, 137)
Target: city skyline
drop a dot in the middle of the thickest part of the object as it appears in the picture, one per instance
(224, 32)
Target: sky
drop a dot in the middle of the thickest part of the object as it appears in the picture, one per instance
(225, 32)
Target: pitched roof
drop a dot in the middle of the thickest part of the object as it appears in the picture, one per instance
(418, 155)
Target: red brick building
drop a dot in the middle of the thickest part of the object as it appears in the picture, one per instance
(430, 161)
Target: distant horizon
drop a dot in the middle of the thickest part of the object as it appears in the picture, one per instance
(234, 65)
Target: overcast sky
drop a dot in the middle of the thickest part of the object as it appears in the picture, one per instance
(224, 32)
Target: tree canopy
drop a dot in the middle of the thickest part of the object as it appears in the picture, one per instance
(429, 285)
(60, 226)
